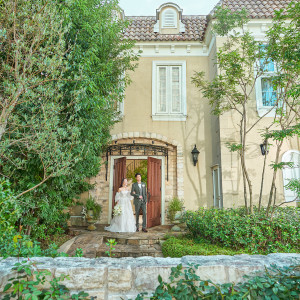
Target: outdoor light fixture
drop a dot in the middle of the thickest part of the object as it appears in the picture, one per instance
(263, 147)
(195, 154)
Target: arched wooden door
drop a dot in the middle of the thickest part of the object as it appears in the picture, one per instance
(119, 174)
(154, 192)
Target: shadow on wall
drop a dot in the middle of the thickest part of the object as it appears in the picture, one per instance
(192, 136)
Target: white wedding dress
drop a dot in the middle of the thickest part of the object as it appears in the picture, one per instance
(125, 222)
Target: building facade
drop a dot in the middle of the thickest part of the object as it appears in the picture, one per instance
(164, 117)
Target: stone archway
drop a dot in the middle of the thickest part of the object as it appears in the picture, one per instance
(162, 138)
(174, 185)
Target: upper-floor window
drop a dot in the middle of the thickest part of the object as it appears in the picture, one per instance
(169, 90)
(290, 173)
(169, 18)
(266, 94)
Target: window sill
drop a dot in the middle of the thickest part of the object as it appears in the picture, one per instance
(169, 118)
(266, 111)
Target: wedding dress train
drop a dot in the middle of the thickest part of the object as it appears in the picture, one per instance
(125, 222)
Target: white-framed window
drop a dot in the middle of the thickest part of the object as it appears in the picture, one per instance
(290, 173)
(266, 94)
(169, 90)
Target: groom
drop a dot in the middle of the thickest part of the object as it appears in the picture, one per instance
(138, 191)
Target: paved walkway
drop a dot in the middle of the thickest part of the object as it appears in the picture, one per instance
(93, 243)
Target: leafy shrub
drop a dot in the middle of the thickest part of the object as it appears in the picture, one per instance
(175, 205)
(276, 283)
(9, 208)
(30, 284)
(95, 207)
(256, 233)
(178, 247)
(16, 245)
(22, 246)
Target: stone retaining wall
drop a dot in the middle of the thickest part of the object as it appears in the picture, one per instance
(124, 278)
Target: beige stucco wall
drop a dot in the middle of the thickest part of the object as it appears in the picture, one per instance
(210, 133)
(232, 179)
(195, 130)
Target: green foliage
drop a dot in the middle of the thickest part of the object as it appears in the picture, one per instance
(13, 244)
(281, 165)
(283, 49)
(66, 92)
(182, 246)
(142, 168)
(175, 205)
(9, 209)
(78, 252)
(234, 147)
(226, 20)
(184, 284)
(280, 135)
(255, 233)
(35, 284)
(111, 243)
(95, 207)
(294, 185)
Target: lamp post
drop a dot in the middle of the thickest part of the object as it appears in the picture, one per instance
(195, 154)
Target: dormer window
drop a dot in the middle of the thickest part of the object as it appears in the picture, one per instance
(169, 18)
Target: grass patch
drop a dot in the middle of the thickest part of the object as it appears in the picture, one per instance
(187, 245)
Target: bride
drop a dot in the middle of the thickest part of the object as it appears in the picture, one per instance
(125, 221)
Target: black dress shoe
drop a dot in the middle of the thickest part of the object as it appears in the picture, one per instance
(144, 230)
(137, 230)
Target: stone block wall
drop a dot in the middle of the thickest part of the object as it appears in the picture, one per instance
(124, 278)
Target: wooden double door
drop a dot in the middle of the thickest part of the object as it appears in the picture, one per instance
(153, 187)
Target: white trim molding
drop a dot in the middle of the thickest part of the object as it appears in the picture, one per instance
(174, 48)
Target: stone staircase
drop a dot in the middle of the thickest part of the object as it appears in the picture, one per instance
(132, 246)
(137, 244)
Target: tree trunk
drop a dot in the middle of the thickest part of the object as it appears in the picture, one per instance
(245, 193)
(274, 177)
(262, 178)
(244, 134)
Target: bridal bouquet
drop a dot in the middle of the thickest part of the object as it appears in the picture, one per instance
(117, 210)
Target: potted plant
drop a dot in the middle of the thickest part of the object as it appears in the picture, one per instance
(175, 209)
(92, 211)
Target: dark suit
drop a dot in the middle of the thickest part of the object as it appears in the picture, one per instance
(136, 192)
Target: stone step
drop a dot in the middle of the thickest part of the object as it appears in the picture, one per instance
(130, 251)
(133, 240)
(134, 244)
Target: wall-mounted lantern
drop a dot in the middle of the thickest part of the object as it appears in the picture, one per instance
(195, 154)
(264, 147)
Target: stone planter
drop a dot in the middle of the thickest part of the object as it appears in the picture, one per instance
(90, 220)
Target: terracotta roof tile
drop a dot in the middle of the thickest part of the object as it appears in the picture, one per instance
(263, 9)
(142, 29)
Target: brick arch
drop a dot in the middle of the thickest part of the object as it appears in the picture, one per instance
(156, 136)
